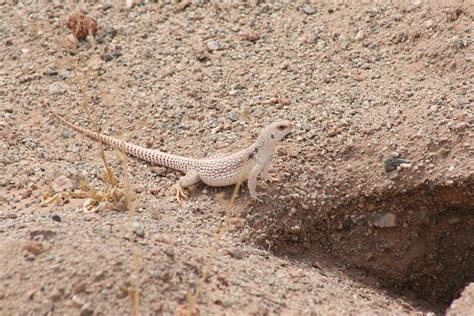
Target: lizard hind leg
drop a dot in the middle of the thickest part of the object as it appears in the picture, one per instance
(190, 178)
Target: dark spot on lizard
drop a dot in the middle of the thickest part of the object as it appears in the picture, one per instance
(253, 153)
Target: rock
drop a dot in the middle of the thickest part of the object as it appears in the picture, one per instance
(56, 218)
(86, 310)
(161, 171)
(33, 248)
(213, 46)
(58, 87)
(62, 183)
(41, 234)
(386, 220)
(360, 35)
(234, 117)
(81, 25)
(321, 44)
(138, 229)
(251, 37)
(131, 3)
(71, 42)
(67, 134)
(107, 57)
(25, 194)
(429, 24)
(308, 9)
(392, 162)
(236, 253)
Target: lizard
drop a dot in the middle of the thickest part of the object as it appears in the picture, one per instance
(246, 164)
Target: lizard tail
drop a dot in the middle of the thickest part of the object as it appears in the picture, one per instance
(176, 162)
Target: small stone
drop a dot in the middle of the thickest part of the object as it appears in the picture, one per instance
(234, 117)
(71, 42)
(58, 87)
(429, 24)
(26, 193)
(91, 216)
(47, 308)
(321, 44)
(81, 25)
(67, 134)
(453, 220)
(360, 35)
(308, 9)
(56, 218)
(449, 182)
(25, 50)
(33, 248)
(213, 45)
(41, 234)
(392, 162)
(386, 220)
(251, 37)
(62, 183)
(161, 171)
(86, 310)
(131, 3)
(236, 253)
(107, 57)
(138, 229)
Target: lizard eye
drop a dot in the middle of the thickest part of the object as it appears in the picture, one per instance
(281, 127)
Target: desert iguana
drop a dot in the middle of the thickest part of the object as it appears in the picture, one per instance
(246, 164)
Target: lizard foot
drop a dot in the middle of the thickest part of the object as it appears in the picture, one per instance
(180, 192)
(270, 178)
(255, 196)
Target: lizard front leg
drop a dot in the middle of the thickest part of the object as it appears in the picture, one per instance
(190, 178)
(252, 181)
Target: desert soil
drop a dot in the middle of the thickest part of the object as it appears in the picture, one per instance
(374, 210)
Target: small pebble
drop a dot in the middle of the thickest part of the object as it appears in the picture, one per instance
(138, 229)
(236, 253)
(386, 220)
(308, 9)
(360, 35)
(214, 45)
(62, 183)
(86, 310)
(58, 87)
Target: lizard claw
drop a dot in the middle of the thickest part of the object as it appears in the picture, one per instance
(271, 178)
(255, 196)
(180, 192)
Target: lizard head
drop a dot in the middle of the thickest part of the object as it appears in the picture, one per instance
(276, 131)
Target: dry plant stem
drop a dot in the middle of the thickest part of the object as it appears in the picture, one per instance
(192, 299)
(111, 183)
(85, 104)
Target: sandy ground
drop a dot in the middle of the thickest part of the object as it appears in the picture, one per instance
(347, 230)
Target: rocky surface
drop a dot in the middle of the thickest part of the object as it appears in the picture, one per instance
(374, 210)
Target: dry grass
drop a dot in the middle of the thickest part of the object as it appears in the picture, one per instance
(115, 195)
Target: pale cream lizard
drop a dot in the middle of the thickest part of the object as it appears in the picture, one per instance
(246, 164)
